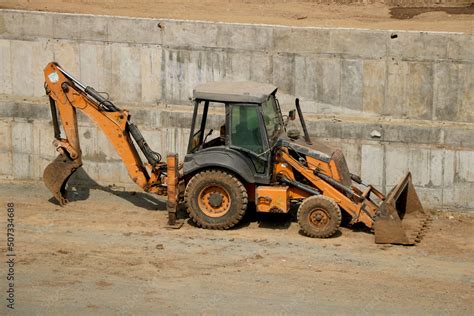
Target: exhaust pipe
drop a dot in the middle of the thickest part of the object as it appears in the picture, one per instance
(307, 139)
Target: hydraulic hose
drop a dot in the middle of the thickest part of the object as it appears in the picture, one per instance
(152, 157)
(54, 114)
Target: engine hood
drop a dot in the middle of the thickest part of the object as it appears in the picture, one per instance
(316, 149)
(320, 152)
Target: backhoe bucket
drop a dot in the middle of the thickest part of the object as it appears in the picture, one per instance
(57, 174)
(400, 219)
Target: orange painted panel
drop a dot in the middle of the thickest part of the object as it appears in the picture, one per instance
(272, 199)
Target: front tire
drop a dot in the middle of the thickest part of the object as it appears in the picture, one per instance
(319, 216)
(215, 199)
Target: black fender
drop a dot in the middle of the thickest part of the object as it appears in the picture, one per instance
(222, 158)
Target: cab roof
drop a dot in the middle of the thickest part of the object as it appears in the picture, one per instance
(234, 91)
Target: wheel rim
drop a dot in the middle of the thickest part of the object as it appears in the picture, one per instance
(214, 201)
(319, 218)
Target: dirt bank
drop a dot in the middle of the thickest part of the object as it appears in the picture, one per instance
(298, 13)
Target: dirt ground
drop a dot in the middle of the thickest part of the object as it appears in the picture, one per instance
(108, 252)
(280, 12)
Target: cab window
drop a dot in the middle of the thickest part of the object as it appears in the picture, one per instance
(245, 130)
(272, 119)
(209, 126)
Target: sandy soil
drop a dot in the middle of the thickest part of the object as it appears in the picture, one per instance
(108, 252)
(282, 12)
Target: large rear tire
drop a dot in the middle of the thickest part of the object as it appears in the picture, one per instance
(215, 199)
(319, 216)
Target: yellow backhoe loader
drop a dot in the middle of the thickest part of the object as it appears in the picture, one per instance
(253, 160)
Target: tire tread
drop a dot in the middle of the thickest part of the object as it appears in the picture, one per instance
(307, 229)
(219, 174)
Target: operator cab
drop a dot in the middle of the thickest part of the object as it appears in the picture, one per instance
(239, 120)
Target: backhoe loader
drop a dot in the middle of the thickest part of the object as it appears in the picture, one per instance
(252, 160)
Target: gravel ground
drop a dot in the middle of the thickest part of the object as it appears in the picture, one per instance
(108, 252)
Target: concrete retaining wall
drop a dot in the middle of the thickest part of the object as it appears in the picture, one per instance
(415, 88)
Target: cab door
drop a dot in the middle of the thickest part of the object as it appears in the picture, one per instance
(247, 134)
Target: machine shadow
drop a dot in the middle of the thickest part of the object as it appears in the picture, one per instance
(270, 221)
(80, 184)
(266, 220)
(273, 220)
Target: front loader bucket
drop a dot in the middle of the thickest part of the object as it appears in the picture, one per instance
(400, 219)
(57, 174)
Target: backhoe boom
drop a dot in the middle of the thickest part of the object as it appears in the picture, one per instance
(68, 94)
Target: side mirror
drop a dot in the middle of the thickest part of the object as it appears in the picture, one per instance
(292, 115)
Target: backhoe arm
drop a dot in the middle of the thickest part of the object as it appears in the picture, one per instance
(68, 94)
